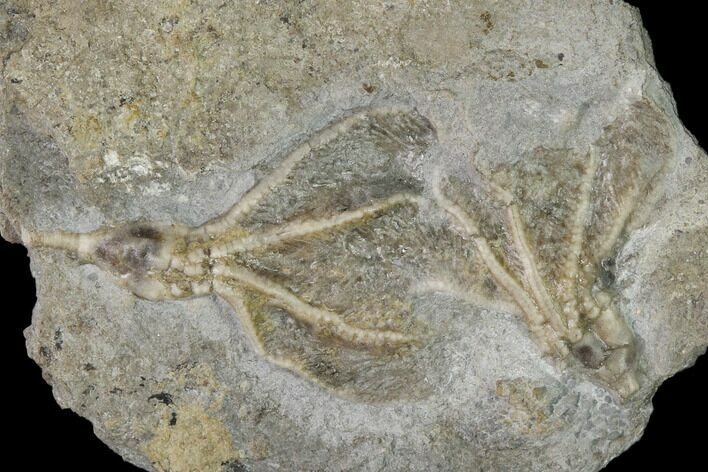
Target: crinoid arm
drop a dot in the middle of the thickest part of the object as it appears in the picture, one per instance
(319, 255)
(546, 222)
(505, 276)
(622, 192)
(320, 320)
(622, 187)
(362, 364)
(358, 150)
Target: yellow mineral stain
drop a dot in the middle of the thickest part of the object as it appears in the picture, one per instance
(87, 131)
(529, 406)
(195, 442)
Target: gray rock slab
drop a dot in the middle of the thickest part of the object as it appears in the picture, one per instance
(401, 235)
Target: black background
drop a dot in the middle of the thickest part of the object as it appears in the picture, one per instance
(41, 436)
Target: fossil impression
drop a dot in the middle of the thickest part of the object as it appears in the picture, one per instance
(323, 259)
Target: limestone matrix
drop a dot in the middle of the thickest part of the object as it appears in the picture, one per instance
(361, 236)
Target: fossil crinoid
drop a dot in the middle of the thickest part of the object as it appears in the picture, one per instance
(300, 257)
(323, 257)
(547, 227)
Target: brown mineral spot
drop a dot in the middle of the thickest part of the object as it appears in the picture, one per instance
(368, 88)
(486, 17)
(540, 64)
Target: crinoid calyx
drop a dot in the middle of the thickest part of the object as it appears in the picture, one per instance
(323, 259)
(548, 226)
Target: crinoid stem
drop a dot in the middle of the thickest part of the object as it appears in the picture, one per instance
(82, 245)
(534, 318)
(317, 318)
(297, 229)
(280, 174)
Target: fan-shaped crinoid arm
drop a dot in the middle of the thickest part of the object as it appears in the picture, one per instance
(324, 321)
(350, 163)
(304, 339)
(550, 192)
(504, 250)
(633, 152)
(352, 291)
(368, 271)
